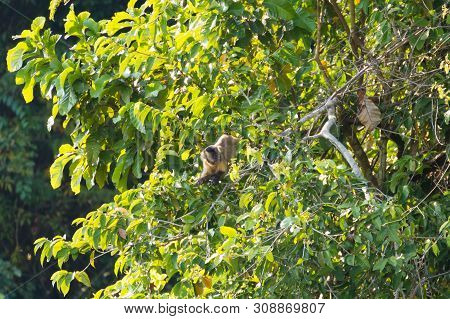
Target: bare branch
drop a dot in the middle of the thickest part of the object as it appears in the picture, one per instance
(330, 106)
(325, 132)
(332, 100)
(352, 17)
(322, 67)
(340, 16)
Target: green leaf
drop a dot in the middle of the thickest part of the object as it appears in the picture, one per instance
(82, 277)
(199, 105)
(181, 39)
(118, 22)
(236, 9)
(153, 89)
(38, 243)
(305, 21)
(245, 199)
(405, 194)
(62, 80)
(350, 260)
(57, 247)
(393, 261)
(171, 153)
(380, 264)
(101, 174)
(67, 101)
(377, 223)
(118, 169)
(44, 252)
(444, 226)
(15, 56)
(91, 25)
(93, 148)
(22, 76)
(138, 115)
(99, 85)
(269, 256)
(269, 200)
(435, 249)
(65, 283)
(77, 169)
(287, 222)
(120, 174)
(124, 65)
(58, 275)
(228, 231)
(38, 24)
(257, 209)
(281, 9)
(137, 169)
(188, 219)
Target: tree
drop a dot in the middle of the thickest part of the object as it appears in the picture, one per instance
(29, 207)
(315, 205)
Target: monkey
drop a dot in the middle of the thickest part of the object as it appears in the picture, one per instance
(216, 158)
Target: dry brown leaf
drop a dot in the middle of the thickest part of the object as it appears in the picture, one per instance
(198, 288)
(370, 115)
(207, 281)
(122, 233)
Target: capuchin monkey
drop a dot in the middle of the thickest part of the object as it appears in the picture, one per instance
(216, 158)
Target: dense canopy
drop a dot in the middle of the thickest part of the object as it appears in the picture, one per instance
(340, 186)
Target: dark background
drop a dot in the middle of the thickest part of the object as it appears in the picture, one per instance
(29, 207)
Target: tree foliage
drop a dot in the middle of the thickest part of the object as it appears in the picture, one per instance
(29, 207)
(142, 93)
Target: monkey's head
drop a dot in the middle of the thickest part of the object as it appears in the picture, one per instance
(212, 154)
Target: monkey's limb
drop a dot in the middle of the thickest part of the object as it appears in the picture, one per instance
(203, 179)
(210, 178)
(216, 177)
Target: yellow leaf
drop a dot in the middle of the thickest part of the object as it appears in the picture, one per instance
(14, 57)
(269, 200)
(56, 170)
(82, 277)
(66, 148)
(27, 90)
(185, 155)
(228, 231)
(92, 259)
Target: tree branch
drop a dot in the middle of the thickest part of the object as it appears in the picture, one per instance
(360, 154)
(325, 133)
(354, 41)
(352, 17)
(322, 67)
(329, 101)
(382, 145)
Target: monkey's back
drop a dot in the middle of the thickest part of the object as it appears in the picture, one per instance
(228, 145)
